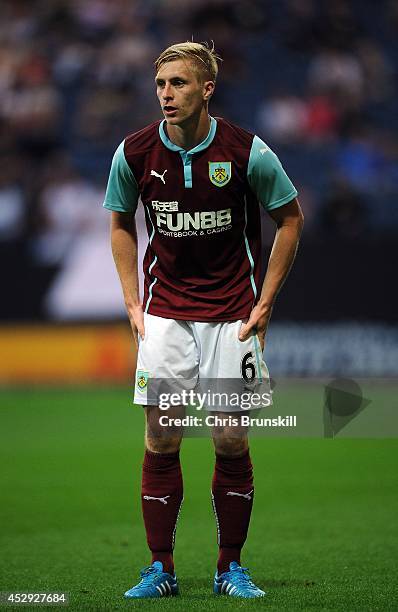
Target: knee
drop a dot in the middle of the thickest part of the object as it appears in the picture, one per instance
(230, 447)
(167, 444)
(160, 438)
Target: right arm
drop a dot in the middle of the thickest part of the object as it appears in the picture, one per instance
(121, 198)
(125, 254)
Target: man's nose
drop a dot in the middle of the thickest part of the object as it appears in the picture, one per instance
(167, 93)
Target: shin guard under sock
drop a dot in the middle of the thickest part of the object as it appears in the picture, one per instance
(232, 495)
(162, 496)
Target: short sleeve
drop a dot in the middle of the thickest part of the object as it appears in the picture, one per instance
(122, 189)
(267, 178)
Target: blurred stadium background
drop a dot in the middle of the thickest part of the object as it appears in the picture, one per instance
(317, 80)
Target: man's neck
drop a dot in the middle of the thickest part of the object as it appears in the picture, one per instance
(190, 134)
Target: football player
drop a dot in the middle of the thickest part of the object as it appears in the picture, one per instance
(204, 315)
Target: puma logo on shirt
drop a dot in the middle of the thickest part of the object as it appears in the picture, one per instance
(159, 176)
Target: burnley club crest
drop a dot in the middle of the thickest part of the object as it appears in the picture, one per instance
(220, 173)
(142, 379)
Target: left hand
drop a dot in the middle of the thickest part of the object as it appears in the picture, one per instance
(258, 321)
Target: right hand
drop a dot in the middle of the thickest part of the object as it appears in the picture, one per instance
(136, 316)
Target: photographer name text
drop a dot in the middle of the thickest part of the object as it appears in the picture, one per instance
(244, 420)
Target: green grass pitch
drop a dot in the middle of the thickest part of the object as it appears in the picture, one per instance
(323, 534)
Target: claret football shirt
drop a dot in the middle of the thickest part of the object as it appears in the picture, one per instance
(202, 214)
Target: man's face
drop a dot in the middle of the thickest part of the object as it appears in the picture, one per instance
(181, 95)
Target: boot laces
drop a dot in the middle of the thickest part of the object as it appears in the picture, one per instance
(148, 575)
(242, 577)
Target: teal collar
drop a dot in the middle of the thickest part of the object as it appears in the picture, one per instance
(200, 147)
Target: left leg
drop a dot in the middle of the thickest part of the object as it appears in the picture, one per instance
(232, 367)
(232, 494)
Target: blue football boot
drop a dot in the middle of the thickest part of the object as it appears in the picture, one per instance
(154, 583)
(236, 583)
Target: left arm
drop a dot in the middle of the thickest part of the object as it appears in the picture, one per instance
(289, 220)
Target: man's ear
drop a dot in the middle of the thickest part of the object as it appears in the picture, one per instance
(208, 90)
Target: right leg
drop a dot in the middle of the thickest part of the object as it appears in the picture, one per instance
(162, 486)
(166, 356)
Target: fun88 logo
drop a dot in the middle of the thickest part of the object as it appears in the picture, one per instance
(197, 221)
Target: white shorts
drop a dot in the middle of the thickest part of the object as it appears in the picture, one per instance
(186, 355)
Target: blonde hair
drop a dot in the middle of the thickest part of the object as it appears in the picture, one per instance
(202, 55)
